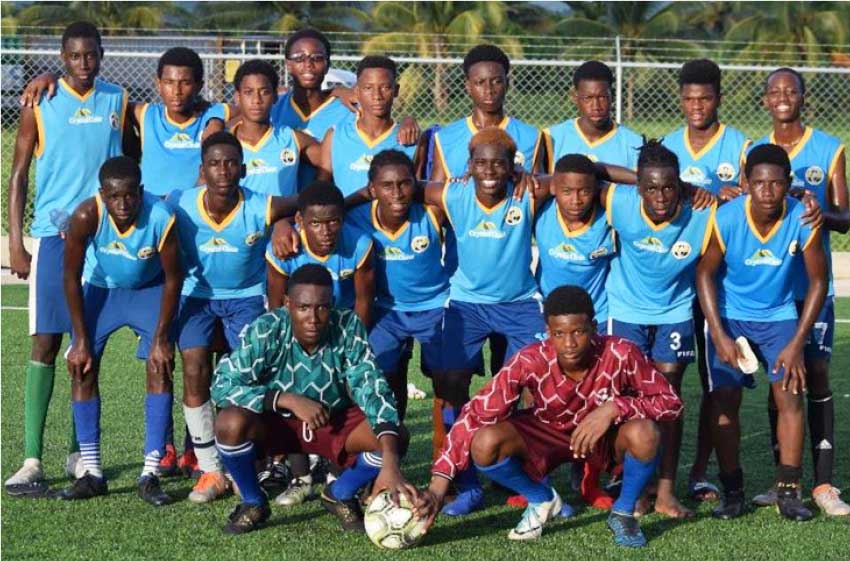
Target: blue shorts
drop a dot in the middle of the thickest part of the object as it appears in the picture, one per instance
(668, 342)
(197, 318)
(467, 325)
(105, 310)
(767, 339)
(392, 330)
(822, 335)
(48, 311)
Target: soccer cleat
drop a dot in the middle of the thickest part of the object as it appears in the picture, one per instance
(349, 512)
(74, 466)
(789, 505)
(86, 487)
(247, 518)
(275, 474)
(151, 492)
(768, 498)
(701, 490)
(27, 481)
(731, 505)
(299, 491)
(168, 463)
(466, 502)
(626, 530)
(536, 516)
(211, 485)
(827, 498)
(188, 464)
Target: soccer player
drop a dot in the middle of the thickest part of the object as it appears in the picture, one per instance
(70, 135)
(350, 145)
(594, 399)
(711, 155)
(269, 390)
(594, 133)
(651, 284)
(818, 166)
(746, 288)
(273, 153)
(132, 278)
(223, 229)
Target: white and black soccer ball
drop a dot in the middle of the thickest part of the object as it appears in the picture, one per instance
(390, 526)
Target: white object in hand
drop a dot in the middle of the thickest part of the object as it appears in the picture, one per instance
(414, 393)
(748, 363)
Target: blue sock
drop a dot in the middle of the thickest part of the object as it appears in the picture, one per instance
(467, 479)
(636, 474)
(239, 461)
(157, 415)
(365, 469)
(87, 421)
(509, 473)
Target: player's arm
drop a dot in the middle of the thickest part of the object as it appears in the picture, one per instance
(837, 215)
(275, 284)
(408, 131)
(162, 348)
(31, 96)
(364, 287)
(81, 227)
(324, 163)
(706, 285)
(311, 150)
(25, 145)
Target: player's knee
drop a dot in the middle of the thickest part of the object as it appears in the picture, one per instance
(45, 347)
(485, 445)
(231, 425)
(642, 438)
(788, 403)
(453, 387)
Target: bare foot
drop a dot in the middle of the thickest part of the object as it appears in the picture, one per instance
(670, 506)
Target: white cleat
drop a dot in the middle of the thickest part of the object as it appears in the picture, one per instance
(27, 481)
(536, 515)
(826, 497)
(74, 466)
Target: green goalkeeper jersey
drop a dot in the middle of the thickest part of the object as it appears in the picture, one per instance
(340, 373)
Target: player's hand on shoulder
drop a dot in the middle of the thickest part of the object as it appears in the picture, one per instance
(20, 261)
(31, 95)
(524, 181)
(312, 413)
(79, 359)
(729, 192)
(700, 198)
(348, 97)
(592, 428)
(813, 214)
(408, 131)
(285, 240)
(791, 359)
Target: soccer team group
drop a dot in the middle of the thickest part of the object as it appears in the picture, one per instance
(304, 239)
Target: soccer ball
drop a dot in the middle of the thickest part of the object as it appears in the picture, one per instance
(390, 526)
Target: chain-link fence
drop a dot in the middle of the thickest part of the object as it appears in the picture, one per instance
(432, 90)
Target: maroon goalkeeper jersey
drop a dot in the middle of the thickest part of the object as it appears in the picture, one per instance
(619, 373)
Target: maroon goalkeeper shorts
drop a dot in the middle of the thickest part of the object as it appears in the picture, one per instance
(291, 435)
(549, 447)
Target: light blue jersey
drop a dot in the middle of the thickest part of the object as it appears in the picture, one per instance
(271, 165)
(452, 142)
(222, 260)
(493, 246)
(755, 280)
(352, 152)
(76, 134)
(352, 250)
(652, 276)
(286, 113)
(716, 164)
(619, 147)
(171, 151)
(813, 162)
(131, 259)
(409, 273)
(581, 257)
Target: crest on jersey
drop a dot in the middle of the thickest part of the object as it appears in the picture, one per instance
(681, 249)
(513, 216)
(763, 257)
(793, 247)
(725, 171)
(84, 116)
(288, 157)
(217, 245)
(146, 252)
(814, 175)
(486, 229)
(519, 159)
(117, 248)
(419, 244)
(650, 243)
(252, 238)
(113, 121)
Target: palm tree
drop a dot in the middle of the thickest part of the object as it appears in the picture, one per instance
(108, 16)
(278, 16)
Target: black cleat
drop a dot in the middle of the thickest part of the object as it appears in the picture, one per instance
(247, 518)
(275, 475)
(86, 487)
(349, 512)
(31, 490)
(731, 505)
(151, 492)
(789, 504)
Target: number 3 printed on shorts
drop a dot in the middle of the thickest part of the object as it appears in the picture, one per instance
(675, 341)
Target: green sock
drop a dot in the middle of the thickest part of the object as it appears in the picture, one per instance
(37, 392)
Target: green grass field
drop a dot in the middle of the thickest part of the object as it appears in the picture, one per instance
(121, 526)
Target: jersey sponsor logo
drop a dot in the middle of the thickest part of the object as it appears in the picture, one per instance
(253, 237)
(681, 249)
(598, 252)
(395, 254)
(181, 141)
(84, 116)
(288, 157)
(814, 175)
(725, 171)
(118, 249)
(146, 252)
(793, 247)
(361, 164)
(487, 229)
(763, 257)
(419, 243)
(650, 243)
(258, 166)
(567, 252)
(217, 245)
(693, 174)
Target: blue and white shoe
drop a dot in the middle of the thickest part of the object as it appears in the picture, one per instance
(536, 516)
(466, 502)
(626, 530)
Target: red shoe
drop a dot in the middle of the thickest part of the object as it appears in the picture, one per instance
(590, 490)
(168, 464)
(188, 464)
(517, 501)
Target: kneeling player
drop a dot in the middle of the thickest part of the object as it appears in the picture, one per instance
(304, 380)
(615, 392)
(132, 278)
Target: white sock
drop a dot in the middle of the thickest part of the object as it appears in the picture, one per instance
(151, 466)
(91, 458)
(201, 423)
